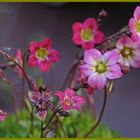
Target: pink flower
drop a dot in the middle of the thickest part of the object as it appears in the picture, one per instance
(87, 34)
(19, 60)
(42, 55)
(3, 115)
(129, 52)
(98, 68)
(134, 24)
(69, 100)
(41, 103)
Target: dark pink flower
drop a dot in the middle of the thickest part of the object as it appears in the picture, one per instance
(41, 103)
(19, 60)
(100, 67)
(3, 115)
(129, 52)
(42, 55)
(69, 100)
(87, 34)
(134, 24)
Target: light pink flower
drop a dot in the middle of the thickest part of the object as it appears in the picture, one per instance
(42, 55)
(134, 24)
(3, 115)
(98, 68)
(87, 34)
(19, 60)
(69, 100)
(129, 52)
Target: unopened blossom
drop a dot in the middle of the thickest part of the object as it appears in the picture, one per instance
(134, 24)
(129, 52)
(69, 100)
(89, 90)
(42, 54)
(87, 33)
(19, 60)
(99, 67)
(41, 103)
(3, 115)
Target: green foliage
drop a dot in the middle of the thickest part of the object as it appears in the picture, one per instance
(78, 124)
(75, 126)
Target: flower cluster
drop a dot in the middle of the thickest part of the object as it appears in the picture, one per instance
(97, 66)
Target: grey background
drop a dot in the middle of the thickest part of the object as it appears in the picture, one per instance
(21, 22)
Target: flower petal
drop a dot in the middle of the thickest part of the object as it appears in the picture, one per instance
(33, 46)
(110, 57)
(97, 81)
(86, 69)
(33, 96)
(77, 39)
(132, 25)
(124, 41)
(32, 61)
(46, 43)
(91, 56)
(54, 55)
(3, 115)
(99, 37)
(44, 65)
(135, 36)
(77, 27)
(114, 72)
(137, 13)
(135, 61)
(41, 115)
(87, 45)
(69, 92)
(91, 23)
(60, 95)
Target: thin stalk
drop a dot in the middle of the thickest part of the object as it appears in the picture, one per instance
(31, 121)
(51, 117)
(97, 122)
(41, 129)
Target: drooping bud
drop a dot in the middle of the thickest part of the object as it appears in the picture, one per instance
(125, 69)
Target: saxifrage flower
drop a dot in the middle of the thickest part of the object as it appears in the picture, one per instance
(129, 51)
(41, 103)
(97, 67)
(134, 24)
(42, 55)
(69, 100)
(87, 34)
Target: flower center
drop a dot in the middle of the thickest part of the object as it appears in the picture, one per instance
(87, 34)
(42, 104)
(126, 52)
(101, 67)
(41, 53)
(68, 101)
(137, 26)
